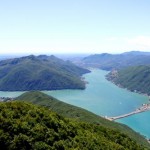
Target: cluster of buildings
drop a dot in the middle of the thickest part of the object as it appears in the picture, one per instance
(5, 99)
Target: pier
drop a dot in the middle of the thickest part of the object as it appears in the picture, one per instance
(143, 108)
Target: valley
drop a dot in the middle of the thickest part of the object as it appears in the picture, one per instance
(74, 75)
(94, 97)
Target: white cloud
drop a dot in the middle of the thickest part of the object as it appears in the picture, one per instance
(75, 45)
(140, 42)
(121, 44)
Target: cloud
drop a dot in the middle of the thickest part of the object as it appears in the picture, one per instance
(121, 44)
(140, 42)
(99, 44)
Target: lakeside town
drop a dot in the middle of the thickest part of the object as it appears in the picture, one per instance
(5, 99)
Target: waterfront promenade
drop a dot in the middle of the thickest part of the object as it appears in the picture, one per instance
(143, 108)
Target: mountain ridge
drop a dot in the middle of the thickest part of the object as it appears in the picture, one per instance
(77, 113)
(40, 73)
(109, 62)
(135, 79)
(26, 126)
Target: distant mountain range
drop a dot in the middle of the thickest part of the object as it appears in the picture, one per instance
(116, 61)
(136, 53)
(40, 73)
(82, 115)
(130, 70)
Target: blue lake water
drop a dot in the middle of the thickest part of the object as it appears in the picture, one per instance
(104, 98)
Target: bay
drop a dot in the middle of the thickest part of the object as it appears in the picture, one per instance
(138, 122)
(103, 98)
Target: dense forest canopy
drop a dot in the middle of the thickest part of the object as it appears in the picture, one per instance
(79, 114)
(26, 126)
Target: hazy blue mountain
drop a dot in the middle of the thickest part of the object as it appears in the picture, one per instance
(116, 61)
(136, 53)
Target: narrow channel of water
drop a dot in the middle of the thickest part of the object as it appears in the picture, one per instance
(104, 98)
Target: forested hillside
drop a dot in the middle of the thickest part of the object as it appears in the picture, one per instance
(78, 114)
(136, 78)
(39, 73)
(26, 126)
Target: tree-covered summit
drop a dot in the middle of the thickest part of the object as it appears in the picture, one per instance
(26, 126)
(78, 114)
(40, 73)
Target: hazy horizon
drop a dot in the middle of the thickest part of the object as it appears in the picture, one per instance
(47, 27)
(65, 54)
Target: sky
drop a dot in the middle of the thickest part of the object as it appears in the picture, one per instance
(74, 26)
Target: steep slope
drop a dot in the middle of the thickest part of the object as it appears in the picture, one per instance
(77, 113)
(133, 78)
(39, 73)
(109, 61)
(25, 126)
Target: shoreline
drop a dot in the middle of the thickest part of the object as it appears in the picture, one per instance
(120, 86)
(138, 92)
(143, 108)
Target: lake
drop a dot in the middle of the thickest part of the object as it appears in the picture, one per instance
(104, 98)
